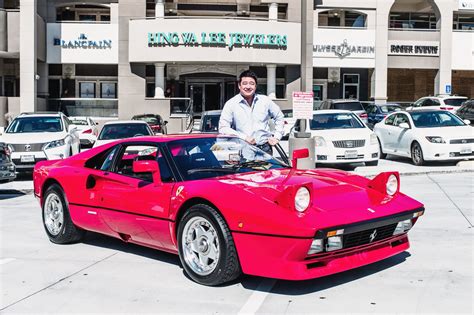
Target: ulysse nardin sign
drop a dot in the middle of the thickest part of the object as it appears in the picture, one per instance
(344, 49)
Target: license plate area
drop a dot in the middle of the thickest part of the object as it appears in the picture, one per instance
(27, 158)
(350, 154)
(466, 151)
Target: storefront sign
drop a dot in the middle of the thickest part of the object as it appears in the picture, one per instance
(302, 105)
(230, 40)
(410, 48)
(344, 49)
(466, 5)
(83, 42)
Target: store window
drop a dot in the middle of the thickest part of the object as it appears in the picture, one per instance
(463, 22)
(108, 90)
(87, 89)
(342, 18)
(351, 86)
(318, 92)
(409, 20)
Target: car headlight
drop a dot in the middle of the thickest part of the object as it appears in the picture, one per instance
(403, 226)
(391, 185)
(373, 139)
(435, 139)
(319, 141)
(54, 144)
(9, 149)
(302, 199)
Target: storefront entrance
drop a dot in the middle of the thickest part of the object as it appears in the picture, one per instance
(209, 94)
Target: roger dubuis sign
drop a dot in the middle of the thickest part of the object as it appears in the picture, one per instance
(408, 48)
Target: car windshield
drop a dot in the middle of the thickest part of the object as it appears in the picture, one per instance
(148, 119)
(390, 108)
(121, 131)
(201, 158)
(287, 113)
(454, 101)
(35, 124)
(210, 123)
(435, 119)
(334, 121)
(348, 106)
(79, 121)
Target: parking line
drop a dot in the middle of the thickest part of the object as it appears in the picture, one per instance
(4, 261)
(258, 297)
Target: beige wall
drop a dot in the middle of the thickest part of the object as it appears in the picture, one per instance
(13, 21)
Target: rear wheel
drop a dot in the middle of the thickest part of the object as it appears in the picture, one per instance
(206, 247)
(417, 154)
(56, 219)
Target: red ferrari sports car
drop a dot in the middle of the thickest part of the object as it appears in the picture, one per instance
(225, 207)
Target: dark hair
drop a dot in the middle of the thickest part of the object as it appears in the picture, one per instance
(248, 74)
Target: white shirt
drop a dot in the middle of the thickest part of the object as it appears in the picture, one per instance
(242, 120)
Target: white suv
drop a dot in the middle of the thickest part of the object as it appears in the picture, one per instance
(34, 137)
(447, 102)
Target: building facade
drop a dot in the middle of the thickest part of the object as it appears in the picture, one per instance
(176, 58)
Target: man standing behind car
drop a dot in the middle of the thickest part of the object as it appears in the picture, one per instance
(247, 114)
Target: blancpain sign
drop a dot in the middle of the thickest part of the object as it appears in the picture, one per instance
(466, 5)
(82, 41)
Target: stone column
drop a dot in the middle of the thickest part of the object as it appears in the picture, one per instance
(273, 11)
(28, 55)
(271, 81)
(381, 51)
(159, 80)
(443, 77)
(159, 8)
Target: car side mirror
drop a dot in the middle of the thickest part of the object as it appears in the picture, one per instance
(299, 154)
(148, 166)
(466, 121)
(404, 125)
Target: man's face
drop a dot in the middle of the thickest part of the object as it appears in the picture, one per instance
(247, 86)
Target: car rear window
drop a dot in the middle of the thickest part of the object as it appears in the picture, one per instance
(348, 106)
(454, 101)
(210, 123)
(334, 121)
(121, 131)
(287, 113)
(390, 109)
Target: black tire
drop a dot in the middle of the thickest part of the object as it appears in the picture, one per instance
(417, 154)
(227, 267)
(372, 163)
(381, 154)
(67, 232)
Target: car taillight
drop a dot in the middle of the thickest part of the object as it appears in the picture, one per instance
(156, 127)
(446, 108)
(363, 115)
(87, 131)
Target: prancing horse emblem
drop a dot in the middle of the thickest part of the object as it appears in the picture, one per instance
(372, 236)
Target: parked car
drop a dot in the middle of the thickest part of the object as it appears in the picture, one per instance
(156, 122)
(226, 214)
(341, 137)
(466, 111)
(87, 129)
(210, 121)
(289, 122)
(346, 104)
(425, 135)
(446, 102)
(114, 130)
(377, 112)
(37, 137)
(7, 168)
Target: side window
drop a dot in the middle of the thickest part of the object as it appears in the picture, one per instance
(372, 109)
(435, 102)
(66, 124)
(389, 120)
(102, 161)
(419, 103)
(401, 118)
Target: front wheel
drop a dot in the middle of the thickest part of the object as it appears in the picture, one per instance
(206, 247)
(417, 154)
(56, 219)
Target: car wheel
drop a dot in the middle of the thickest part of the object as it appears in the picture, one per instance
(56, 219)
(206, 247)
(372, 163)
(417, 154)
(381, 155)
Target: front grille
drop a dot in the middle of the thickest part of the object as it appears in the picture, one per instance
(347, 144)
(368, 236)
(33, 147)
(461, 141)
(342, 157)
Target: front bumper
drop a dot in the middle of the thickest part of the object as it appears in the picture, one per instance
(7, 172)
(447, 151)
(332, 155)
(287, 258)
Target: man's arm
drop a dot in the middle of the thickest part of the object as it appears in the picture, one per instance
(278, 118)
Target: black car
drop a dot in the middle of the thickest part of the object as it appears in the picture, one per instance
(156, 122)
(377, 112)
(466, 111)
(7, 168)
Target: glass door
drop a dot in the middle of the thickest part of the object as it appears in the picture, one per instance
(205, 96)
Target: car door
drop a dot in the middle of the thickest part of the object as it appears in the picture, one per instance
(401, 136)
(384, 132)
(132, 204)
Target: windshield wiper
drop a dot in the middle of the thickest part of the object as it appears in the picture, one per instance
(258, 165)
(211, 169)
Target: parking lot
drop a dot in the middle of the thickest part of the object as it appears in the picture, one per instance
(105, 275)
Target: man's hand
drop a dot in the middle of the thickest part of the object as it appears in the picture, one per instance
(273, 141)
(250, 140)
